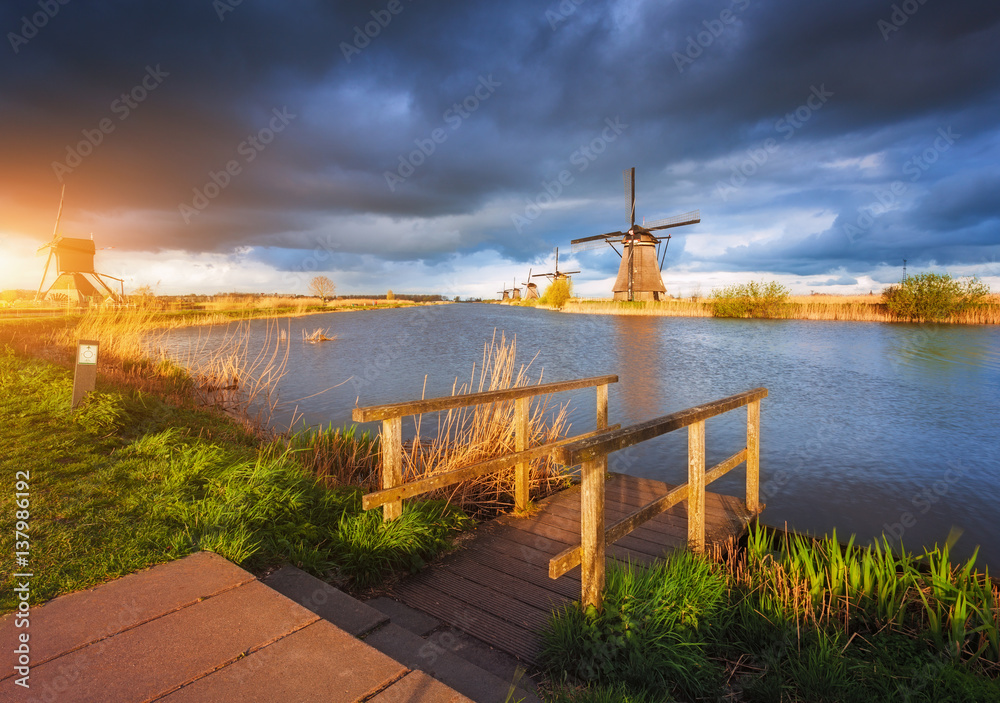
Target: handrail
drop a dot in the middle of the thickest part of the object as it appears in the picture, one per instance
(593, 451)
(394, 490)
(417, 407)
(613, 440)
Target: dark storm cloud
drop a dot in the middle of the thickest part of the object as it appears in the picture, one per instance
(472, 108)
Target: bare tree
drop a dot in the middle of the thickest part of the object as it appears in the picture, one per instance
(322, 287)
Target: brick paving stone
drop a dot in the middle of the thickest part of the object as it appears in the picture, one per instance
(158, 656)
(74, 620)
(326, 601)
(418, 687)
(318, 663)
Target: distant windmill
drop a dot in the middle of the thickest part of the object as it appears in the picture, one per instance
(76, 277)
(638, 275)
(504, 294)
(556, 274)
(515, 292)
(530, 289)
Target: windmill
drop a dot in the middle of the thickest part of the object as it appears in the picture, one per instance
(530, 289)
(639, 275)
(555, 274)
(504, 294)
(515, 292)
(76, 277)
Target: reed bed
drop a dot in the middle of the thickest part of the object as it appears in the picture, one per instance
(785, 618)
(853, 308)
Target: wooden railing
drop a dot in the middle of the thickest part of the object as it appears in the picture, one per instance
(593, 451)
(394, 490)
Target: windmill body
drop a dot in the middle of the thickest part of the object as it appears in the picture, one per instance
(639, 273)
(530, 289)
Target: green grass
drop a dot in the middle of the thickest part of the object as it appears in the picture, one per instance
(784, 620)
(129, 481)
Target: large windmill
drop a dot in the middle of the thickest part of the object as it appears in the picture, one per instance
(530, 289)
(639, 274)
(555, 274)
(76, 277)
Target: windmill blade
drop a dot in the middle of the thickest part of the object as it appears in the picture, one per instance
(590, 246)
(687, 218)
(629, 178)
(543, 275)
(566, 273)
(596, 237)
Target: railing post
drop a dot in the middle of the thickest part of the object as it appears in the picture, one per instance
(753, 456)
(696, 486)
(392, 464)
(521, 470)
(602, 406)
(592, 545)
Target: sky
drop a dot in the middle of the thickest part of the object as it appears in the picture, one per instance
(240, 145)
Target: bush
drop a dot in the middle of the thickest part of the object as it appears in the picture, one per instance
(750, 300)
(934, 296)
(558, 292)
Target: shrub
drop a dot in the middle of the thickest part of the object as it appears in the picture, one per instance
(558, 292)
(934, 296)
(753, 299)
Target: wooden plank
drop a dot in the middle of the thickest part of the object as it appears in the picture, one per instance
(696, 486)
(488, 628)
(392, 464)
(505, 583)
(725, 466)
(592, 534)
(613, 440)
(417, 407)
(520, 444)
(753, 456)
(466, 473)
(648, 511)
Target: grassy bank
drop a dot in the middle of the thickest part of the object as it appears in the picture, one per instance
(789, 620)
(857, 308)
(130, 480)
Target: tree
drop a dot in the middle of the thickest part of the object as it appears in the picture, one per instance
(390, 295)
(144, 296)
(322, 287)
(934, 296)
(558, 292)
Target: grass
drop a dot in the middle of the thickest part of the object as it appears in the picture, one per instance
(130, 480)
(785, 619)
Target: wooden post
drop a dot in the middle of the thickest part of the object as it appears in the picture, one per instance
(753, 456)
(696, 486)
(602, 406)
(392, 464)
(522, 470)
(592, 544)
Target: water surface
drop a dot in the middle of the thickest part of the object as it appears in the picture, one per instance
(868, 427)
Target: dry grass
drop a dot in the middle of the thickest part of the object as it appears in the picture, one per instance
(854, 308)
(465, 436)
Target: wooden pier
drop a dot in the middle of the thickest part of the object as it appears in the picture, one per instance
(497, 587)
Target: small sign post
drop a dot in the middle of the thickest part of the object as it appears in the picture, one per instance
(85, 376)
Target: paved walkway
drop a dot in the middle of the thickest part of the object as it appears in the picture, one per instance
(200, 629)
(497, 586)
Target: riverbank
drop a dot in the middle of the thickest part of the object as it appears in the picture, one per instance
(129, 480)
(861, 308)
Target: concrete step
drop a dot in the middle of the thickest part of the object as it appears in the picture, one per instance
(412, 638)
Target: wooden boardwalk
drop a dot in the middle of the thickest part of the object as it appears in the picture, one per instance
(496, 587)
